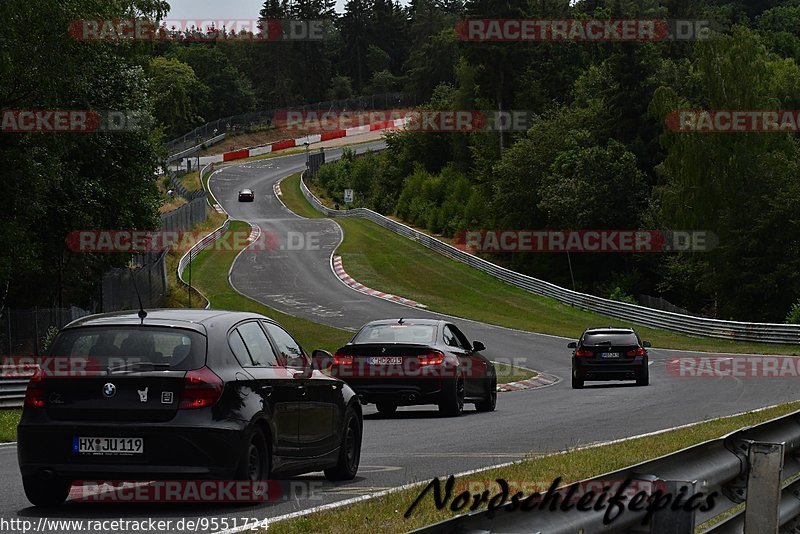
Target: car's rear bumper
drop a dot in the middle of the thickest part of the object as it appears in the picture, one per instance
(399, 391)
(170, 450)
(610, 371)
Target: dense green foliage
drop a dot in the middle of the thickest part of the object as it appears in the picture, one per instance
(597, 155)
(600, 156)
(54, 183)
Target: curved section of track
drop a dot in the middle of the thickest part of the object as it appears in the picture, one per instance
(417, 444)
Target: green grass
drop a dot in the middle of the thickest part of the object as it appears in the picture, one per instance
(385, 514)
(191, 180)
(9, 418)
(510, 373)
(293, 197)
(210, 276)
(383, 260)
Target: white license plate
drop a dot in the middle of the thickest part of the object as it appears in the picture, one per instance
(95, 445)
(386, 360)
(611, 355)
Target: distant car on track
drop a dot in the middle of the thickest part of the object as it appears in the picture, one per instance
(610, 354)
(246, 195)
(410, 362)
(183, 394)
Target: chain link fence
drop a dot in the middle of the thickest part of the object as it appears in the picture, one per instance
(25, 331)
(148, 278)
(149, 271)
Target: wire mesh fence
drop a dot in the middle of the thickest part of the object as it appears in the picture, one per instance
(123, 287)
(26, 332)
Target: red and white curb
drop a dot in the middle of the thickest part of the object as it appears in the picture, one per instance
(541, 381)
(310, 139)
(361, 288)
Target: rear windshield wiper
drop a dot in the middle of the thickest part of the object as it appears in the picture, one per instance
(138, 366)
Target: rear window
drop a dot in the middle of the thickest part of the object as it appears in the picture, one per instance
(397, 333)
(133, 348)
(615, 338)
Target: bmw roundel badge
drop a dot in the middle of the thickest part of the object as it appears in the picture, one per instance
(109, 390)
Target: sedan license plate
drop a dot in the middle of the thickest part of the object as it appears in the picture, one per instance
(107, 446)
(386, 360)
(610, 355)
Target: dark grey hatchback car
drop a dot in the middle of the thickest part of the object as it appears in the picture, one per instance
(610, 354)
(182, 394)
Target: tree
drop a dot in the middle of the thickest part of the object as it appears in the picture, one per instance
(72, 181)
(229, 91)
(178, 95)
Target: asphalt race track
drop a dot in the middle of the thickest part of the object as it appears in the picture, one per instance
(417, 444)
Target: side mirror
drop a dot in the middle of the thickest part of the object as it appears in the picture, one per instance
(321, 359)
(572, 345)
(646, 344)
(477, 346)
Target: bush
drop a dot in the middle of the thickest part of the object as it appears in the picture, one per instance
(619, 295)
(793, 317)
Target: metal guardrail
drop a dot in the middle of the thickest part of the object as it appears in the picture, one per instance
(756, 467)
(195, 149)
(12, 392)
(686, 324)
(204, 243)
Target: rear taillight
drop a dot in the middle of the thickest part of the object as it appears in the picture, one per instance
(201, 388)
(432, 358)
(639, 351)
(583, 353)
(342, 359)
(34, 394)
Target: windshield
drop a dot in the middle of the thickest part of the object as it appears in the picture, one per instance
(612, 338)
(397, 333)
(133, 348)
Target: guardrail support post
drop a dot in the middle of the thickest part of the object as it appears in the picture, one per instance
(671, 521)
(764, 479)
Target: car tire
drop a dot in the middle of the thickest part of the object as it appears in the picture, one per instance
(452, 402)
(386, 408)
(255, 461)
(577, 380)
(349, 450)
(644, 380)
(490, 402)
(46, 492)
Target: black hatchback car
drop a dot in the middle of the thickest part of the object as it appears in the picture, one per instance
(246, 195)
(182, 394)
(610, 354)
(406, 362)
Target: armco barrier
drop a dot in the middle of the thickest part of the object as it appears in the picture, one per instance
(12, 392)
(204, 243)
(687, 324)
(757, 466)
